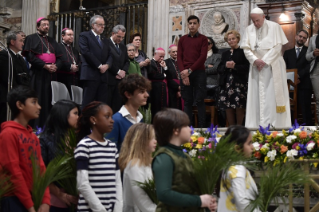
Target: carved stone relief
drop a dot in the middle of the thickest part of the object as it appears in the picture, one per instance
(216, 21)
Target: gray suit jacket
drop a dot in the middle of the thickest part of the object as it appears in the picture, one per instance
(309, 55)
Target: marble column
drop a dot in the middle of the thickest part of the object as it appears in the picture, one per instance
(158, 25)
(31, 11)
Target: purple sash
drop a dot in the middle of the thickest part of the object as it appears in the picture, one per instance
(47, 58)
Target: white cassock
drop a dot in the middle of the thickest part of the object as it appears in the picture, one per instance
(267, 98)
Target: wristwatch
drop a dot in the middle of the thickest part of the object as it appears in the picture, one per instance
(189, 71)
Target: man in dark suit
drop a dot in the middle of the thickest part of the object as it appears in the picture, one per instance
(119, 67)
(96, 59)
(19, 68)
(296, 58)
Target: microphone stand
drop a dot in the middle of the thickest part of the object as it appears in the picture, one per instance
(10, 78)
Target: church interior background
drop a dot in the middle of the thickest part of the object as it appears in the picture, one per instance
(161, 22)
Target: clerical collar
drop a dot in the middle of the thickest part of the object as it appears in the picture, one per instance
(155, 60)
(173, 58)
(195, 36)
(65, 44)
(41, 35)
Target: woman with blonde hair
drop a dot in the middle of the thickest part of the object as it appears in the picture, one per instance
(233, 70)
(135, 159)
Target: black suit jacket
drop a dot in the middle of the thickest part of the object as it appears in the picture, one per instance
(301, 64)
(120, 61)
(92, 56)
(20, 70)
(67, 59)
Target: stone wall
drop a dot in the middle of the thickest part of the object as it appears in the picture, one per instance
(10, 17)
(234, 15)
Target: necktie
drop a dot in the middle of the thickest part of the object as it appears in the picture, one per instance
(98, 40)
(298, 52)
(117, 48)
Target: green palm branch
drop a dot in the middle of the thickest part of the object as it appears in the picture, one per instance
(68, 146)
(5, 184)
(149, 188)
(147, 114)
(212, 162)
(55, 171)
(274, 183)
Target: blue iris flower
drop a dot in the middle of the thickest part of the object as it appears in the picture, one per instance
(39, 130)
(303, 149)
(264, 131)
(192, 129)
(296, 126)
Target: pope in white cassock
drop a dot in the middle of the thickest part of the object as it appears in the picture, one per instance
(267, 99)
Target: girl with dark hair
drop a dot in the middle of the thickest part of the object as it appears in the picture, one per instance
(211, 65)
(98, 173)
(140, 56)
(62, 117)
(176, 186)
(237, 187)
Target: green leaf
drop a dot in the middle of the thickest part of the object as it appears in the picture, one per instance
(149, 187)
(5, 184)
(56, 170)
(147, 114)
(275, 182)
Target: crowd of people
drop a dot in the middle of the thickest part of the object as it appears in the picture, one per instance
(247, 82)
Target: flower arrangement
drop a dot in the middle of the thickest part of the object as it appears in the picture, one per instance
(202, 140)
(277, 147)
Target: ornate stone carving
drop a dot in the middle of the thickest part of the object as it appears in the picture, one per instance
(53, 6)
(5, 11)
(176, 9)
(216, 22)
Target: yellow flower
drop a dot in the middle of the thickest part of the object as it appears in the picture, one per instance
(266, 159)
(301, 158)
(285, 160)
(297, 147)
(199, 146)
(188, 145)
(264, 150)
(194, 138)
(268, 137)
(315, 164)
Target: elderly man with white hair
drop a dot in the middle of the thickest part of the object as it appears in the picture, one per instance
(267, 99)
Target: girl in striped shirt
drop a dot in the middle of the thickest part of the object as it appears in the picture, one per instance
(98, 173)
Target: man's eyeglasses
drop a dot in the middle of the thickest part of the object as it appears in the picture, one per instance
(101, 25)
(130, 50)
(209, 43)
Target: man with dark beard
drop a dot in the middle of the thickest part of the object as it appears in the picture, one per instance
(69, 73)
(44, 55)
(296, 58)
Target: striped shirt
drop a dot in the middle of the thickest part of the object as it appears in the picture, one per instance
(101, 161)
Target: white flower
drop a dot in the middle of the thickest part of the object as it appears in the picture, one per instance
(310, 146)
(292, 153)
(217, 139)
(312, 128)
(297, 130)
(195, 134)
(256, 146)
(280, 134)
(193, 152)
(266, 146)
(290, 138)
(272, 154)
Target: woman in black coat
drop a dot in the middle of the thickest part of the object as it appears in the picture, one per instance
(234, 69)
